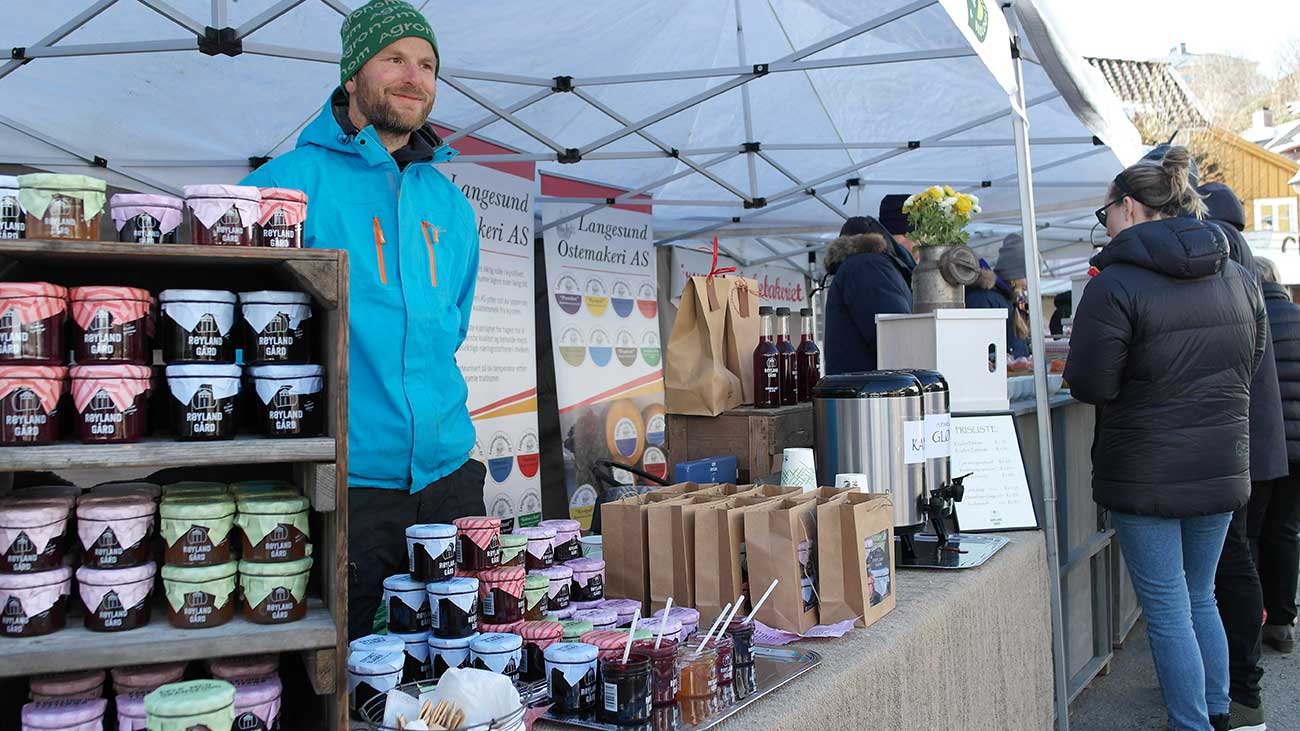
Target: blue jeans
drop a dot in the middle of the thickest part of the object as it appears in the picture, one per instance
(1172, 562)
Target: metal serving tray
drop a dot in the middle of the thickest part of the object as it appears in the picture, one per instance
(773, 668)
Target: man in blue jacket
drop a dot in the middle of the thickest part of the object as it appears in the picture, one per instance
(366, 164)
(871, 262)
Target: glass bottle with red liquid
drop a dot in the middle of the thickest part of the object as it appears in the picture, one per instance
(789, 359)
(767, 368)
(809, 356)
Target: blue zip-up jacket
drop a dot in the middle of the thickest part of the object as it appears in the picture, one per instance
(413, 249)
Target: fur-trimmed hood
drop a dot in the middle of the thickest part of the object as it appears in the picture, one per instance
(843, 247)
(988, 279)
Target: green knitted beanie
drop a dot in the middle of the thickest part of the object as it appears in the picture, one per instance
(373, 26)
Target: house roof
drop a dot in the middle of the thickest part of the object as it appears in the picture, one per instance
(1286, 136)
(1153, 87)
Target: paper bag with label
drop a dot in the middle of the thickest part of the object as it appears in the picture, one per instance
(670, 526)
(855, 558)
(626, 544)
(781, 543)
(697, 381)
(742, 334)
(721, 572)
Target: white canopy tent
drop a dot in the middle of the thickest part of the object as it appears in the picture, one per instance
(784, 114)
(764, 122)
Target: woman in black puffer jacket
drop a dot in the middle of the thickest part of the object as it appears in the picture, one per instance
(1166, 339)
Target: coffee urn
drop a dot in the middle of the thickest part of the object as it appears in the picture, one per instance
(938, 429)
(871, 423)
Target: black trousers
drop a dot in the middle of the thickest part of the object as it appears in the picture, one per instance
(377, 521)
(1273, 524)
(1241, 606)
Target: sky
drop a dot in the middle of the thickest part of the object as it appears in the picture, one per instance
(1145, 29)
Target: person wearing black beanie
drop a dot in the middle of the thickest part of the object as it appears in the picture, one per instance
(871, 262)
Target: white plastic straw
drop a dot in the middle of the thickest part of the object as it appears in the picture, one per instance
(631, 634)
(663, 623)
(730, 615)
(759, 603)
(713, 629)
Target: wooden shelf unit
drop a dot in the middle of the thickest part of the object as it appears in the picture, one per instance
(320, 464)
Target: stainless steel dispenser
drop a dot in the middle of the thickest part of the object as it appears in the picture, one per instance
(868, 423)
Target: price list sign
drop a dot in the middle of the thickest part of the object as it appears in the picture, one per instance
(997, 492)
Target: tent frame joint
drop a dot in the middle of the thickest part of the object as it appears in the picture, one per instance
(19, 53)
(751, 147)
(562, 85)
(853, 183)
(257, 162)
(570, 156)
(99, 162)
(221, 41)
(761, 69)
(758, 202)
(913, 144)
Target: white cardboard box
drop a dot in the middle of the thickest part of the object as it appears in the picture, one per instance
(969, 347)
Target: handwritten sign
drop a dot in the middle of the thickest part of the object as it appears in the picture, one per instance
(997, 492)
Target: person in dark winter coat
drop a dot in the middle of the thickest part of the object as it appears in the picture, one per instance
(991, 292)
(1275, 505)
(1237, 583)
(1060, 312)
(1166, 340)
(872, 275)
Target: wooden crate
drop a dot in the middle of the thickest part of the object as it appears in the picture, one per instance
(755, 436)
(319, 464)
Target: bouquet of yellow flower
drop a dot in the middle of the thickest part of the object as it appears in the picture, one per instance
(939, 215)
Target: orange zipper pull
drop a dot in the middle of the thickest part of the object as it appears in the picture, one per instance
(433, 271)
(379, 250)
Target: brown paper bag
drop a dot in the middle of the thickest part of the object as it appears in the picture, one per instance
(721, 571)
(741, 337)
(670, 528)
(855, 558)
(697, 381)
(625, 541)
(781, 543)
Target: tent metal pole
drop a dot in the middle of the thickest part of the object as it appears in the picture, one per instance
(723, 224)
(219, 14)
(777, 67)
(833, 146)
(112, 49)
(801, 266)
(657, 201)
(484, 122)
(60, 33)
(505, 116)
(633, 193)
(176, 16)
(663, 146)
(337, 7)
(777, 256)
(795, 179)
(751, 75)
(1046, 462)
(745, 105)
(268, 16)
(298, 54)
(991, 117)
(476, 75)
(87, 159)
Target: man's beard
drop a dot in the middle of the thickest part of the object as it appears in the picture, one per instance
(375, 106)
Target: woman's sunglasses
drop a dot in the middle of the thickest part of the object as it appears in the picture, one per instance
(1102, 213)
